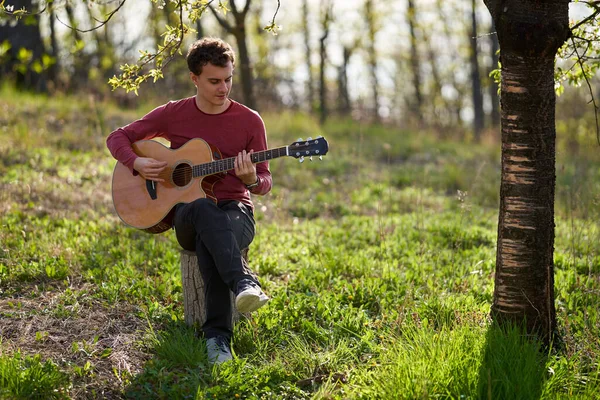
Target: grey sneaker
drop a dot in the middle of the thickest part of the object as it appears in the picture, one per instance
(218, 350)
(249, 297)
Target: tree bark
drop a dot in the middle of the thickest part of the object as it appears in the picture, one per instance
(477, 95)
(530, 33)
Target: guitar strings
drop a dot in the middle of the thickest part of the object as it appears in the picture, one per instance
(218, 164)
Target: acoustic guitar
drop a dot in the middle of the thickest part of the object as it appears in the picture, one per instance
(191, 172)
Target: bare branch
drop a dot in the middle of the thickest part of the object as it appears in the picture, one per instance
(102, 23)
(591, 92)
(246, 7)
(276, 11)
(587, 19)
(221, 21)
(22, 12)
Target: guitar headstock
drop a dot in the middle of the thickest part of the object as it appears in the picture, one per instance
(308, 148)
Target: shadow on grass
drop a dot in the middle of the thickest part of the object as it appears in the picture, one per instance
(513, 365)
(179, 366)
(179, 370)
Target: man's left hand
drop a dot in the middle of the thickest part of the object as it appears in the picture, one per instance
(245, 168)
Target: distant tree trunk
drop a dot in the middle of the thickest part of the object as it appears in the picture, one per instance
(199, 29)
(53, 72)
(326, 12)
(81, 60)
(493, 88)
(308, 52)
(372, 55)
(478, 114)
(414, 61)
(454, 106)
(438, 104)
(530, 33)
(105, 53)
(239, 32)
(24, 34)
(343, 95)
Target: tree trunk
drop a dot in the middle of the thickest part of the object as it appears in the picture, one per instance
(478, 114)
(343, 95)
(438, 104)
(199, 29)
(239, 32)
(194, 300)
(372, 57)
(414, 62)
(325, 21)
(308, 51)
(454, 106)
(55, 68)
(24, 34)
(529, 33)
(245, 67)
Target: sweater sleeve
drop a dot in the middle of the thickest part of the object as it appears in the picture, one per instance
(258, 142)
(154, 124)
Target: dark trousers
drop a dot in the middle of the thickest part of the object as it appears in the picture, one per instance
(217, 232)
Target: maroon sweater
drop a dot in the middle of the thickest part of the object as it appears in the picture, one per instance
(235, 129)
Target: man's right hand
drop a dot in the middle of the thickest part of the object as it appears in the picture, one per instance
(149, 168)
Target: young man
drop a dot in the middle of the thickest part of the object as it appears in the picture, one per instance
(216, 232)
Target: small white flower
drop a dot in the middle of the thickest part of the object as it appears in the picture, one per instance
(10, 8)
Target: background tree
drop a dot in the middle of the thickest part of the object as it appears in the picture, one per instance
(417, 101)
(238, 30)
(26, 53)
(310, 91)
(344, 102)
(372, 27)
(477, 94)
(530, 34)
(326, 18)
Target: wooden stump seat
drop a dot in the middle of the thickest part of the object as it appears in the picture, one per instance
(194, 299)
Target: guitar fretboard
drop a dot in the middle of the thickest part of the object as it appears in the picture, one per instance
(227, 164)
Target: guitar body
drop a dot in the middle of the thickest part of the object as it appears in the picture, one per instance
(192, 171)
(149, 205)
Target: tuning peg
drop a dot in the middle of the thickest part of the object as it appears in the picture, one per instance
(310, 158)
(309, 138)
(301, 159)
(319, 137)
(299, 139)
(321, 158)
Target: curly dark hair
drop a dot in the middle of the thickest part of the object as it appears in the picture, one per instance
(209, 50)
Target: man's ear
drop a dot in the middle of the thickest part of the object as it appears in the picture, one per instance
(194, 78)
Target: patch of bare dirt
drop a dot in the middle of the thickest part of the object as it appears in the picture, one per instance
(98, 345)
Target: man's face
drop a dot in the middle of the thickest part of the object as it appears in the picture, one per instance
(214, 85)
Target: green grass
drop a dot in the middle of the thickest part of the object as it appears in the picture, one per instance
(379, 261)
(27, 377)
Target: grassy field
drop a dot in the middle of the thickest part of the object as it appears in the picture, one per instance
(379, 261)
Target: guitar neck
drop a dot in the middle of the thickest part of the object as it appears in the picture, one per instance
(227, 164)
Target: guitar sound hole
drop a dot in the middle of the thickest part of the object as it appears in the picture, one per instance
(182, 174)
